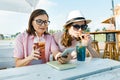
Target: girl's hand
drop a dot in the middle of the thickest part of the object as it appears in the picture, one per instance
(64, 59)
(86, 39)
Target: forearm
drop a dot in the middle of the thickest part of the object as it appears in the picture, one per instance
(22, 62)
(92, 52)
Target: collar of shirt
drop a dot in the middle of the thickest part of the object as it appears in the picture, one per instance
(32, 36)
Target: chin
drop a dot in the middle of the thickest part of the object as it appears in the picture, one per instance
(42, 30)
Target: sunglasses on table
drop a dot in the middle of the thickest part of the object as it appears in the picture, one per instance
(40, 22)
(83, 27)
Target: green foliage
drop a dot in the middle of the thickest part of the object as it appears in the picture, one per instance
(1, 36)
(99, 37)
(87, 30)
(97, 30)
(53, 31)
(103, 29)
(14, 35)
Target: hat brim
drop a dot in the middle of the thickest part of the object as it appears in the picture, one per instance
(117, 7)
(87, 21)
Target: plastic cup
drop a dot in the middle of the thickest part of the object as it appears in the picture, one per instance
(41, 46)
(81, 53)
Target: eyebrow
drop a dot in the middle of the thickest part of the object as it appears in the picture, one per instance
(41, 19)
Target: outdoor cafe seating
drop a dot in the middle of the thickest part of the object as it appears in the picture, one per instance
(95, 45)
(110, 51)
(111, 48)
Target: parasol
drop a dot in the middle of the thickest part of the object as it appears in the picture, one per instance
(22, 6)
(110, 20)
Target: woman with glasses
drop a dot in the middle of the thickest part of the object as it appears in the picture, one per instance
(35, 45)
(73, 34)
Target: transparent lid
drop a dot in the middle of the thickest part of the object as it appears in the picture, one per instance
(38, 39)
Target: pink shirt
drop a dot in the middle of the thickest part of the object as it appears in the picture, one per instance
(58, 37)
(24, 43)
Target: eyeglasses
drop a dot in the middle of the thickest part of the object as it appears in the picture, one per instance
(40, 22)
(83, 27)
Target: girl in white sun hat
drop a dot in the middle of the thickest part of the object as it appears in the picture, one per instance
(73, 33)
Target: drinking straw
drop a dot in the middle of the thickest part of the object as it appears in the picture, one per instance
(37, 35)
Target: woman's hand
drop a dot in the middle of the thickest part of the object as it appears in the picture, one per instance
(64, 59)
(35, 54)
(86, 39)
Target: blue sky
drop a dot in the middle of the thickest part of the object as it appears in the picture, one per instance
(96, 10)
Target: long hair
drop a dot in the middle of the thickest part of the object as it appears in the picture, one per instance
(35, 13)
(66, 37)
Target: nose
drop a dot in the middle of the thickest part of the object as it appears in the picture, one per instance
(43, 24)
(79, 29)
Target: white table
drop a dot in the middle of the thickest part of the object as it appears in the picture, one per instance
(107, 75)
(46, 72)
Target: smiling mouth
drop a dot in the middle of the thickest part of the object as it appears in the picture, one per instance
(42, 28)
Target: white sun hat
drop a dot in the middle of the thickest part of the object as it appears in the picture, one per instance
(75, 16)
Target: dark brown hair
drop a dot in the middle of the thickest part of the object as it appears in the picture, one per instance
(35, 13)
